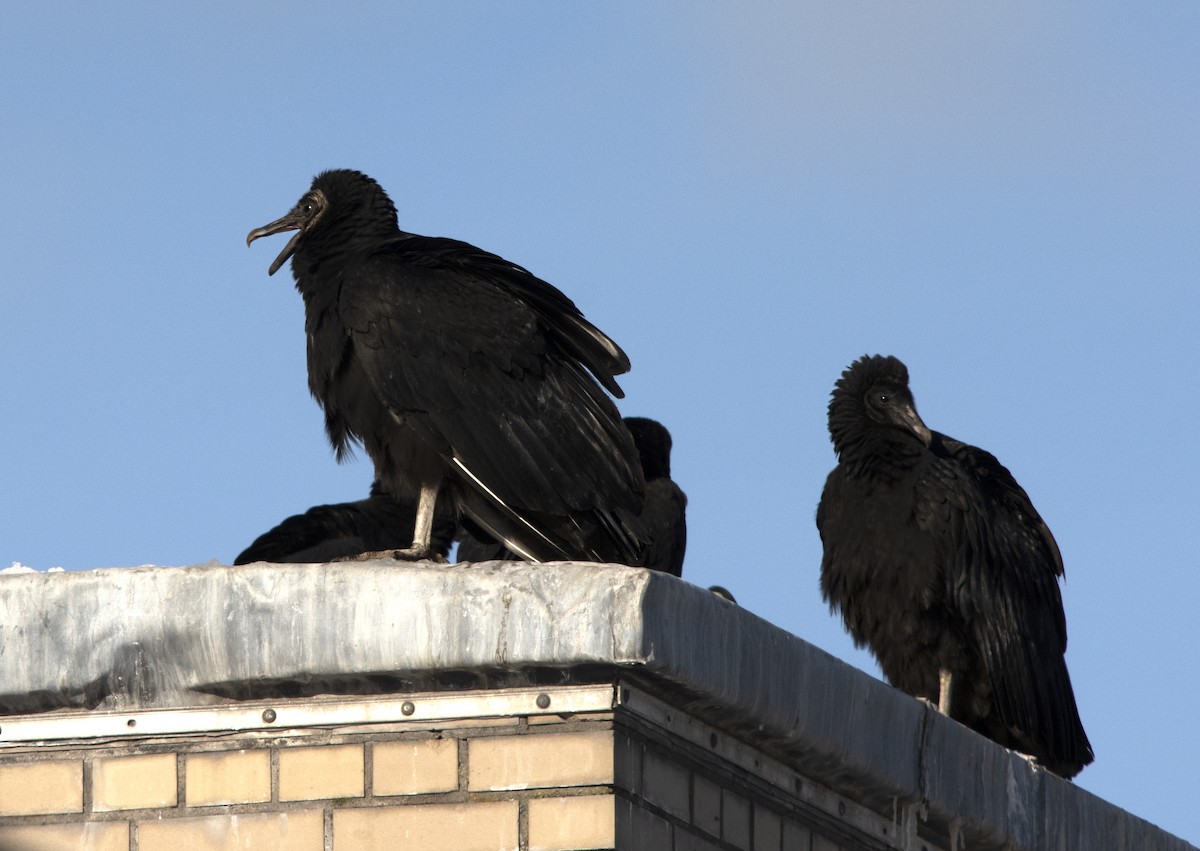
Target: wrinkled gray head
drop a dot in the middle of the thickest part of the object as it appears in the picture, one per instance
(341, 204)
(873, 392)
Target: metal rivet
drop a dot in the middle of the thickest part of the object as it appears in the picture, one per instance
(543, 700)
(407, 708)
(841, 808)
(132, 722)
(269, 716)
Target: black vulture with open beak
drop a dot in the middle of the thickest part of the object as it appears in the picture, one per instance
(477, 389)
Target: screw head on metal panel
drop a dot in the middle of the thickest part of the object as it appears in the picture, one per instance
(543, 700)
(407, 707)
(268, 716)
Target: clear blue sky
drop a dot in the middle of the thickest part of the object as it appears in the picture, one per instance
(745, 196)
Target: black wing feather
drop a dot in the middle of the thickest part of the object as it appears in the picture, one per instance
(479, 352)
(1001, 566)
(666, 526)
(485, 378)
(328, 532)
(939, 563)
(580, 338)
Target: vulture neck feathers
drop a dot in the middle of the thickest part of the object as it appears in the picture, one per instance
(358, 217)
(869, 441)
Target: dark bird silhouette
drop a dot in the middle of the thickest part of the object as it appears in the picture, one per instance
(723, 592)
(941, 566)
(475, 546)
(663, 515)
(331, 532)
(474, 386)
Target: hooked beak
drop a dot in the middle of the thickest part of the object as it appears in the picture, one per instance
(908, 418)
(294, 220)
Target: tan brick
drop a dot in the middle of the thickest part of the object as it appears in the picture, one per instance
(133, 782)
(228, 777)
(638, 829)
(685, 840)
(735, 819)
(488, 826)
(627, 762)
(41, 787)
(416, 767)
(666, 783)
(767, 829)
(706, 805)
(572, 824)
(556, 759)
(823, 843)
(96, 836)
(330, 771)
(796, 837)
(294, 831)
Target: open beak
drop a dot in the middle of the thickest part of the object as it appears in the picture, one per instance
(294, 220)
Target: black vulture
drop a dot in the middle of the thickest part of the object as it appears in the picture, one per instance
(941, 566)
(663, 514)
(474, 386)
(344, 530)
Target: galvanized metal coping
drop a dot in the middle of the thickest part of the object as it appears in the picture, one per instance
(128, 641)
(296, 715)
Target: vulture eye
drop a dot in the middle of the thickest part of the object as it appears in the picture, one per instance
(312, 205)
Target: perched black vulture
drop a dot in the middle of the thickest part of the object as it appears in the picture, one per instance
(344, 530)
(663, 515)
(471, 383)
(941, 566)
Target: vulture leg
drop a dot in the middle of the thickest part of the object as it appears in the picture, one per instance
(422, 548)
(945, 690)
(423, 531)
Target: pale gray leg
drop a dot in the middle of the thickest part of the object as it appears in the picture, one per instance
(423, 530)
(422, 548)
(945, 688)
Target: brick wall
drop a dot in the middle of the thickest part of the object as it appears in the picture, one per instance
(640, 776)
(474, 784)
(683, 785)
